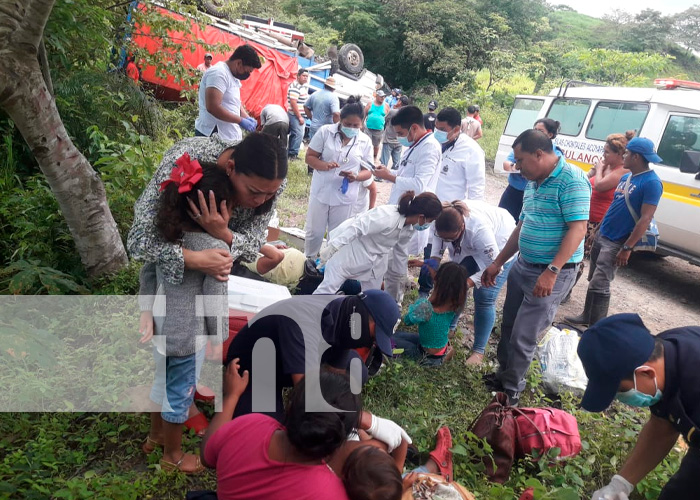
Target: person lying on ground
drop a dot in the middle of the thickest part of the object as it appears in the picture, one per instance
(278, 264)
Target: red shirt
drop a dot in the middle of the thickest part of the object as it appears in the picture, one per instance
(244, 471)
(600, 201)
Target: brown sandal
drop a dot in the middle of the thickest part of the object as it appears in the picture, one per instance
(150, 445)
(170, 466)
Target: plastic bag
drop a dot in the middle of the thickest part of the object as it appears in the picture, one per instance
(561, 367)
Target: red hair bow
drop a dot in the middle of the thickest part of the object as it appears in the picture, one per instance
(186, 173)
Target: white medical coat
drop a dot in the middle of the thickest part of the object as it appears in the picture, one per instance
(462, 172)
(486, 231)
(418, 169)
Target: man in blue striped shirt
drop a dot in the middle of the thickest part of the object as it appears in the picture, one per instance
(549, 237)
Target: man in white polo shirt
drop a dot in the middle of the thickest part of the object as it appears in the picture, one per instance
(220, 107)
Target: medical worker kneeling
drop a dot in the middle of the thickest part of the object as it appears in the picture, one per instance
(357, 249)
(335, 154)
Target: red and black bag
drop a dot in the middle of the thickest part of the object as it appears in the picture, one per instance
(542, 429)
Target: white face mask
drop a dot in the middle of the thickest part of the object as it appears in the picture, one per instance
(349, 132)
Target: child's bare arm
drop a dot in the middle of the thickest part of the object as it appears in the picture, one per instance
(271, 258)
(372, 188)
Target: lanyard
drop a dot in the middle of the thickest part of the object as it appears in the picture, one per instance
(410, 150)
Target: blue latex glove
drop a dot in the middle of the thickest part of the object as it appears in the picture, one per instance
(248, 124)
(345, 185)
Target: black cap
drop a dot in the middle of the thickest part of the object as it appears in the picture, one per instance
(610, 351)
(432, 104)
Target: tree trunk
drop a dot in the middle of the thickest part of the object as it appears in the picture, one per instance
(27, 100)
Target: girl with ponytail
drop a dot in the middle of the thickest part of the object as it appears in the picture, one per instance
(357, 249)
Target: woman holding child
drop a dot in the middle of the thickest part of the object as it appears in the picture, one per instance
(190, 223)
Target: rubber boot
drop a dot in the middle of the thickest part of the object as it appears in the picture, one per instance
(585, 317)
(599, 308)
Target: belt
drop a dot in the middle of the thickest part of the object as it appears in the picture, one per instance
(568, 265)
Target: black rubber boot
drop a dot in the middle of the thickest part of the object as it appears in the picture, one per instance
(585, 317)
(599, 308)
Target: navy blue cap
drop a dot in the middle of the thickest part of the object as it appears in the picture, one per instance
(386, 315)
(610, 351)
(433, 104)
(644, 147)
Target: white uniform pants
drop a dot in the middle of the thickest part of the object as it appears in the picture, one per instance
(350, 262)
(397, 267)
(320, 217)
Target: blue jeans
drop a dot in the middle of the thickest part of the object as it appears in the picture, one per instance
(485, 310)
(296, 135)
(410, 343)
(174, 384)
(393, 150)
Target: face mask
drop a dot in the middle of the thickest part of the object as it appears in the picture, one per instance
(633, 397)
(349, 132)
(405, 142)
(421, 227)
(440, 135)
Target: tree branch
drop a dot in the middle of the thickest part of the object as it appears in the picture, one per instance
(44, 65)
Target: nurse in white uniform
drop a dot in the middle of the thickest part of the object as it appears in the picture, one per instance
(475, 232)
(335, 154)
(463, 169)
(418, 172)
(355, 248)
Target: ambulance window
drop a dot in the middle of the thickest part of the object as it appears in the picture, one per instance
(682, 134)
(616, 118)
(571, 113)
(522, 116)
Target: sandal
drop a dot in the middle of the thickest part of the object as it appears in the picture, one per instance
(204, 394)
(475, 359)
(150, 445)
(198, 424)
(442, 455)
(170, 466)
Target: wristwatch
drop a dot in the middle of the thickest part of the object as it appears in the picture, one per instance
(552, 268)
(627, 248)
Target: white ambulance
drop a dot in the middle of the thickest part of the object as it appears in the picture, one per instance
(669, 115)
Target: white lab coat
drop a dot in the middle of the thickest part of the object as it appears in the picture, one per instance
(363, 243)
(362, 203)
(418, 172)
(462, 172)
(418, 169)
(328, 205)
(486, 231)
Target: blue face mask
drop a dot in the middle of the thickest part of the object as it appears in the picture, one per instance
(633, 397)
(405, 142)
(440, 135)
(349, 132)
(421, 227)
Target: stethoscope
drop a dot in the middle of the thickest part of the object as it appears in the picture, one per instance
(347, 153)
(404, 162)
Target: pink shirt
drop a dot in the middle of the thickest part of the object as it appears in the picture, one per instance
(239, 451)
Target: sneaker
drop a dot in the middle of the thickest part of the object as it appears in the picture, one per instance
(442, 455)
(513, 397)
(492, 382)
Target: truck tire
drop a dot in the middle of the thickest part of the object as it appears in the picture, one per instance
(351, 59)
(214, 7)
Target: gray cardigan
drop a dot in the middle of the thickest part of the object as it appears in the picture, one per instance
(185, 313)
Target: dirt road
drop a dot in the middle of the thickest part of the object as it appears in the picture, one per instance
(665, 292)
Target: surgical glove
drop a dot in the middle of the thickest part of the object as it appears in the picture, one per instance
(326, 253)
(248, 124)
(388, 433)
(618, 489)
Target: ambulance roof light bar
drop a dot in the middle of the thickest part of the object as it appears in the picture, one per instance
(672, 83)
